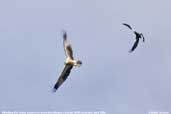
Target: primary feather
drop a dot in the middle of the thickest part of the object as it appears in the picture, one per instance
(65, 73)
(127, 26)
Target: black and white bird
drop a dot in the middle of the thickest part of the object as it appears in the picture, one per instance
(137, 37)
(69, 62)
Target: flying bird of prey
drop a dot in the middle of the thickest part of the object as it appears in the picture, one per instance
(69, 62)
(137, 37)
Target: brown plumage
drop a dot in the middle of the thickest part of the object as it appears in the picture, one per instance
(69, 63)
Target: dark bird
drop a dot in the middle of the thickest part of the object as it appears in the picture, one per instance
(137, 37)
(69, 62)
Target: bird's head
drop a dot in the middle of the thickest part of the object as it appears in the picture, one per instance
(79, 63)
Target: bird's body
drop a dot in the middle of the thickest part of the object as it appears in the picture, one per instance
(137, 37)
(69, 62)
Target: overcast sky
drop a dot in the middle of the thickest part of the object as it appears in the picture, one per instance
(110, 79)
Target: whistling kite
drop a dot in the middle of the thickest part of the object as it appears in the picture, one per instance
(69, 62)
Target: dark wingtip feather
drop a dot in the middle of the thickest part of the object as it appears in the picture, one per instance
(55, 88)
(124, 23)
(64, 34)
(127, 25)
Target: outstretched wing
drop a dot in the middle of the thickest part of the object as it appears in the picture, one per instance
(67, 46)
(63, 76)
(134, 46)
(127, 26)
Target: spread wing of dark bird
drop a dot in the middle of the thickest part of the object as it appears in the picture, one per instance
(65, 73)
(127, 26)
(143, 37)
(67, 46)
(135, 45)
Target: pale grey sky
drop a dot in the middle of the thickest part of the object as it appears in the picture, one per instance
(110, 79)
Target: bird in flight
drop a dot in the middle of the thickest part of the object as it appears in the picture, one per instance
(137, 37)
(69, 62)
